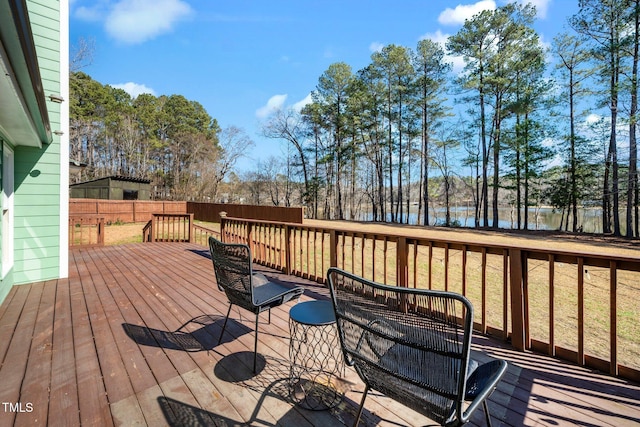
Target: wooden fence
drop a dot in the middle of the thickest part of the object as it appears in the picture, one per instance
(142, 210)
(577, 306)
(210, 212)
(123, 210)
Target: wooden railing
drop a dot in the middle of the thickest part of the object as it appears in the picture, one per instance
(577, 306)
(169, 228)
(86, 231)
(201, 235)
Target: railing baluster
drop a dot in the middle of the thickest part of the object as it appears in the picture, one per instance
(551, 303)
(373, 257)
(484, 290)
(464, 270)
(415, 264)
(505, 292)
(613, 318)
(446, 267)
(580, 311)
(552, 342)
(430, 262)
(384, 256)
(353, 252)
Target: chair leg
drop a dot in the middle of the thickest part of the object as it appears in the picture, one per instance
(255, 347)
(486, 412)
(225, 324)
(364, 396)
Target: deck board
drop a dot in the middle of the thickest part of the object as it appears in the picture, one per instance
(131, 339)
(39, 362)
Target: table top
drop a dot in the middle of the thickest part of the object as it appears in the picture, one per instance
(313, 313)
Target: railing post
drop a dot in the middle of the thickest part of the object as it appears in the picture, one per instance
(191, 229)
(402, 270)
(402, 263)
(250, 241)
(517, 299)
(153, 228)
(333, 248)
(287, 250)
(223, 224)
(100, 228)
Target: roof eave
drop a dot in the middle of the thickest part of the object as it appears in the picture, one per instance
(24, 113)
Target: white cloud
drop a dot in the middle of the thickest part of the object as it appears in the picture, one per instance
(134, 89)
(463, 12)
(90, 14)
(544, 44)
(376, 47)
(441, 38)
(275, 103)
(592, 118)
(136, 21)
(437, 37)
(298, 106)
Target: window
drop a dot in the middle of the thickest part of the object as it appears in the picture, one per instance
(130, 194)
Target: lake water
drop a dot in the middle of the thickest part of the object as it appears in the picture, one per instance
(547, 219)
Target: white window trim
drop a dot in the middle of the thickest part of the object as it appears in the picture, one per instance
(8, 227)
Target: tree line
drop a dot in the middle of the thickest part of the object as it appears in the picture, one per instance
(374, 139)
(404, 133)
(169, 140)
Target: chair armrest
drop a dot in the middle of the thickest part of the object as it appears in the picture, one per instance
(482, 383)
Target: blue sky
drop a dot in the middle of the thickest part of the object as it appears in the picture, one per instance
(242, 58)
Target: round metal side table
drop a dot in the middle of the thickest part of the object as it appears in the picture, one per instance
(316, 356)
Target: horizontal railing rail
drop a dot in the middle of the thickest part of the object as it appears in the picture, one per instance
(86, 231)
(578, 306)
(201, 234)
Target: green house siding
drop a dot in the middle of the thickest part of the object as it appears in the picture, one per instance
(40, 172)
(37, 170)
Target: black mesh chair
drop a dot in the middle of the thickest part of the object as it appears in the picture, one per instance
(413, 345)
(244, 288)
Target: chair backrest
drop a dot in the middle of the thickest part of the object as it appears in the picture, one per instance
(233, 270)
(412, 345)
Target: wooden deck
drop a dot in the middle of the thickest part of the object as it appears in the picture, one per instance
(130, 339)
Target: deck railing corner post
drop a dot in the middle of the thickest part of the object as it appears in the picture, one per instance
(516, 284)
(402, 262)
(223, 225)
(152, 235)
(101, 231)
(250, 240)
